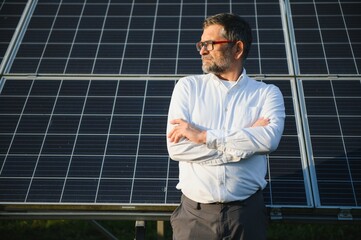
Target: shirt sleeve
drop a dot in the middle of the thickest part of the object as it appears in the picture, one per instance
(180, 107)
(244, 143)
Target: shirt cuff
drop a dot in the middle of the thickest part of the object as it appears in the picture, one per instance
(215, 139)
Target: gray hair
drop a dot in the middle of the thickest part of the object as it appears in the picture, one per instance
(235, 29)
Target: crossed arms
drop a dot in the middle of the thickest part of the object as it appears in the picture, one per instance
(183, 129)
(191, 138)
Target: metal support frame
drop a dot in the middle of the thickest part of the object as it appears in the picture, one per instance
(160, 230)
(103, 230)
(139, 230)
(345, 214)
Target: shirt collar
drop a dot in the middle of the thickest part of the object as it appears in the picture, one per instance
(241, 81)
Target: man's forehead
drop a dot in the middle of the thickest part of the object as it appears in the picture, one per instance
(212, 31)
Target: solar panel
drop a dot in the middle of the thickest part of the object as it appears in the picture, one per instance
(78, 132)
(140, 37)
(10, 14)
(327, 35)
(103, 141)
(333, 108)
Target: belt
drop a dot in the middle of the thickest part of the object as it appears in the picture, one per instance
(232, 203)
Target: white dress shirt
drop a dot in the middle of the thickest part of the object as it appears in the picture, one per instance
(232, 164)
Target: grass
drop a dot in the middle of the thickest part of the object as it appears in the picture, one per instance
(124, 230)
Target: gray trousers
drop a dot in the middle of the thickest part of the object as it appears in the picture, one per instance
(245, 220)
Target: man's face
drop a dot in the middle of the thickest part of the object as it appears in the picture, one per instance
(219, 59)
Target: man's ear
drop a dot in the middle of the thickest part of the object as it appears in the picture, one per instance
(239, 49)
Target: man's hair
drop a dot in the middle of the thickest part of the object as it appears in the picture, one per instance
(235, 29)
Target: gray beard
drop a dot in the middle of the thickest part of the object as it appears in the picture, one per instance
(218, 68)
(213, 69)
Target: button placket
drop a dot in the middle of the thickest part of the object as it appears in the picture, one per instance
(226, 109)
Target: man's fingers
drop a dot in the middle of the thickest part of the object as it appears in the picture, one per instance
(177, 121)
(175, 138)
(175, 135)
(261, 122)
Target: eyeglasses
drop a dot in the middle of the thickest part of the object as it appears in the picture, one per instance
(209, 44)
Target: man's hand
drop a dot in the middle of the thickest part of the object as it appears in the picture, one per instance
(261, 122)
(183, 129)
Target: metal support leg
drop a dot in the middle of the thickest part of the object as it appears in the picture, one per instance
(140, 230)
(160, 230)
(103, 230)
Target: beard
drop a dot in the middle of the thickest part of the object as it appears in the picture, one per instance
(213, 68)
(210, 65)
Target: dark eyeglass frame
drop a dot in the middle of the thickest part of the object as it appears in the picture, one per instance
(200, 45)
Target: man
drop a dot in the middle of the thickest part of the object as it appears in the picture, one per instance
(221, 126)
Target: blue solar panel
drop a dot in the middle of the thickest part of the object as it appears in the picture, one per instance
(10, 14)
(331, 106)
(77, 138)
(327, 36)
(150, 37)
